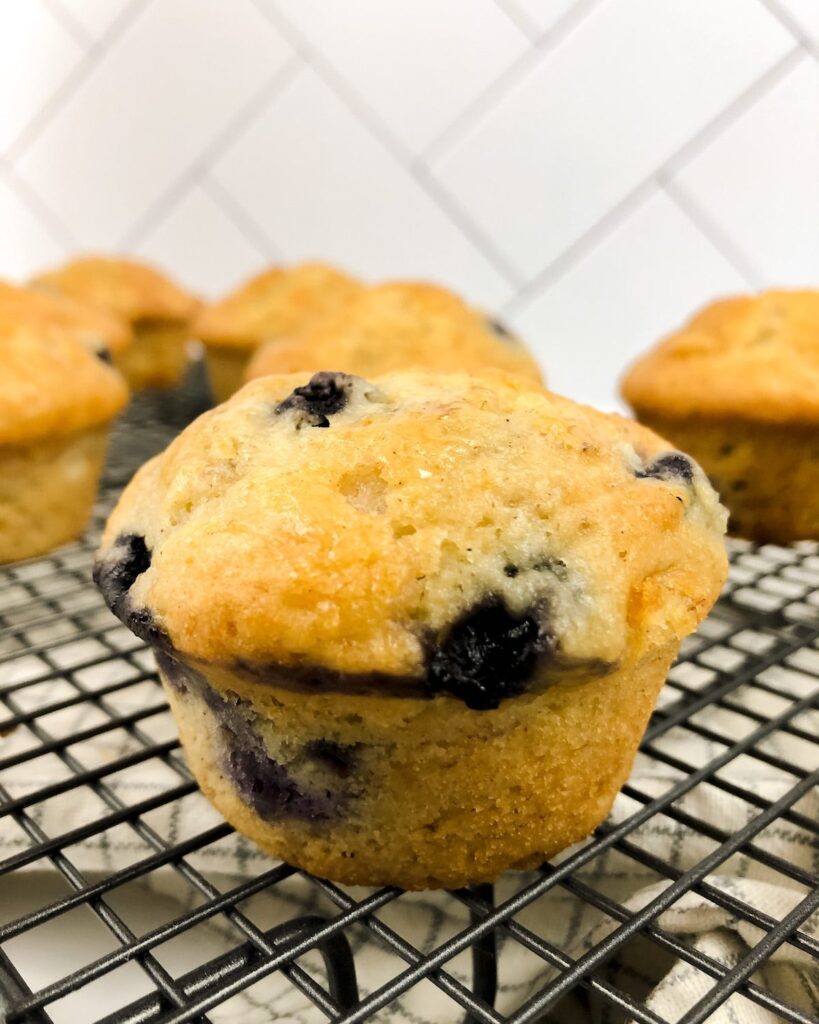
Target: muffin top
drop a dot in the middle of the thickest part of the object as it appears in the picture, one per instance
(133, 291)
(456, 533)
(52, 385)
(752, 357)
(396, 326)
(274, 304)
(43, 312)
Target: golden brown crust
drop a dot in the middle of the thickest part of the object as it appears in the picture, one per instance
(41, 311)
(53, 385)
(134, 291)
(274, 541)
(396, 326)
(274, 304)
(751, 357)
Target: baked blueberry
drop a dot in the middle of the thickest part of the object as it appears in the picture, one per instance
(267, 787)
(672, 466)
(339, 757)
(488, 655)
(326, 394)
(117, 572)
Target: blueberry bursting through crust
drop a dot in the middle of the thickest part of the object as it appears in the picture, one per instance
(485, 656)
(669, 467)
(326, 394)
(116, 575)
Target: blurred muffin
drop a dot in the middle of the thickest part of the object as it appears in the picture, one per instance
(412, 629)
(738, 388)
(395, 326)
(57, 401)
(274, 305)
(156, 309)
(104, 334)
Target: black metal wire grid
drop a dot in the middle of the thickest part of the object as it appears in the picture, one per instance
(62, 653)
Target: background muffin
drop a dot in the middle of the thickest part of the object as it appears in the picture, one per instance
(57, 400)
(158, 311)
(738, 388)
(395, 326)
(412, 629)
(100, 331)
(273, 305)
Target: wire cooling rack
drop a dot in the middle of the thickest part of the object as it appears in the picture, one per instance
(77, 837)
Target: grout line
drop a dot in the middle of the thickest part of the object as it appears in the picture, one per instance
(202, 164)
(519, 18)
(381, 133)
(461, 219)
(785, 18)
(48, 219)
(711, 231)
(582, 246)
(670, 167)
(240, 219)
(69, 23)
(73, 82)
(732, 112)
(518, 70)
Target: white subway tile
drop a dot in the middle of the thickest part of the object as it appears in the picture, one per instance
(639, 283)
(759, 181)
(96, 16)
(806, 14)
(25, 243)
(615, 98)
(37, 54)
(544, 13)
(416, 63)
(158, 97)
(321, 185)
(202, 245)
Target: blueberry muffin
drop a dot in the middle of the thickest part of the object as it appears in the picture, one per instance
(738, 388)
(107, 336)
(274, 305)
(412, 629)
(396, 326)
(155, 309)
(57, 401)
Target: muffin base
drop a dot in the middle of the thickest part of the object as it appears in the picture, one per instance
(766, 473)
(419, 794)
(47, 491)
(226, 367)
(157, 357)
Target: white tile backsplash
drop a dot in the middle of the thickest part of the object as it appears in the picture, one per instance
(805, 13)
(601, 113)
(543, 14)
(218, 135)
(759, 180)
(416, 63)
(323, 185)
(639, 283)
(95, 17)
(37, 54)
(26, 244)
(147, 111)
(198, 235)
